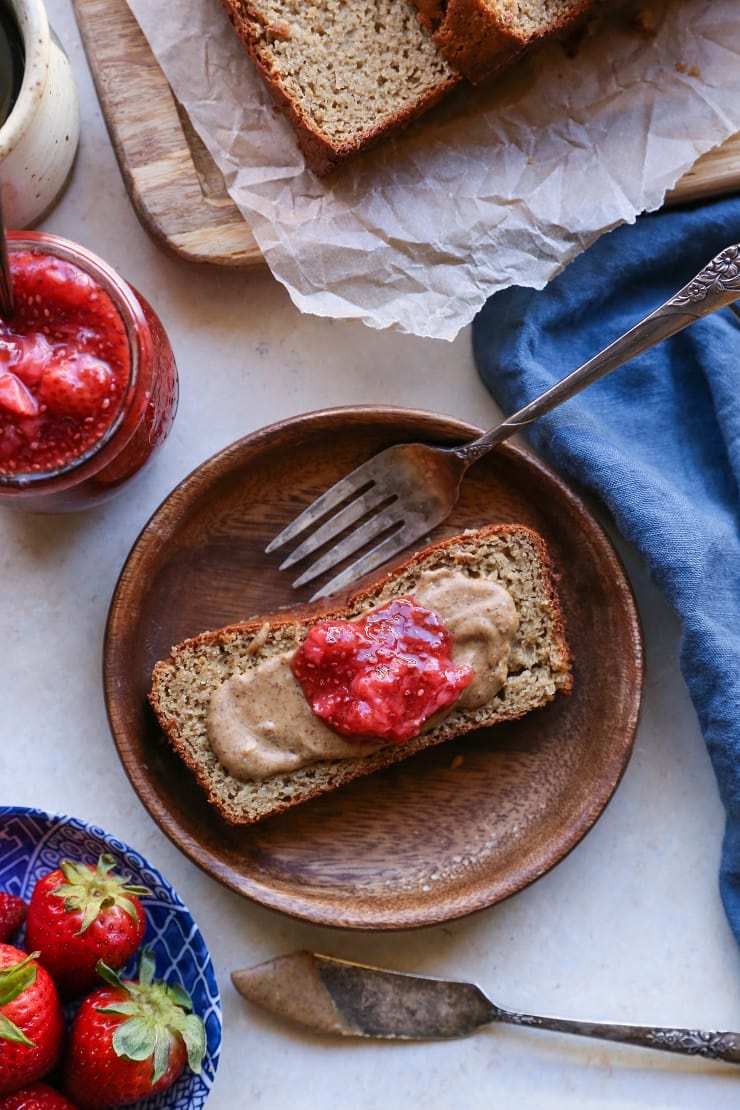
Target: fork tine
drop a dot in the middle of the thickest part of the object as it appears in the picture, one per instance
(378, 555)
(334, 496)
(371, 499)
(372, 529)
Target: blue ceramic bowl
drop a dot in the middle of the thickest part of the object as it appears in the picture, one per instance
(33, 842)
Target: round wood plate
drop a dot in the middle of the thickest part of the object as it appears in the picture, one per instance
(448, 832)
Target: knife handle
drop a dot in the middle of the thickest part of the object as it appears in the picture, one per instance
(690, 1042)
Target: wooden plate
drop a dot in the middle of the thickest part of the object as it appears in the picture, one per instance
(448, 832)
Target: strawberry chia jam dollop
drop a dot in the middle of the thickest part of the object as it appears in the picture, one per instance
(381, 676)
(64, 365)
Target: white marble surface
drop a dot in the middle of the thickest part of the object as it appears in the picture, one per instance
(629, 926)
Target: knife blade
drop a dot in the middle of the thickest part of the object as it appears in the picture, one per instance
(330, 995)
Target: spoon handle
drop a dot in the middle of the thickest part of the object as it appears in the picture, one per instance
(690, 1042)
(716, 286)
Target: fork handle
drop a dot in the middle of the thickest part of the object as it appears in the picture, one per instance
(716, 286)
(690, 1042)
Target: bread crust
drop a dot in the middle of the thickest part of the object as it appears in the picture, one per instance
(196, 666)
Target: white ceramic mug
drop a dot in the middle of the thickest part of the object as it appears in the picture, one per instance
(38, 140)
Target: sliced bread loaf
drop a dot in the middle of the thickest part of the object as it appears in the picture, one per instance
(345, 74)
(511, 556)
(480, 37)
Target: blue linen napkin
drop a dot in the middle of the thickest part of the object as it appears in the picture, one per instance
(657, 440)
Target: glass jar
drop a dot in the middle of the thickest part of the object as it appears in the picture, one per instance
(54, 457)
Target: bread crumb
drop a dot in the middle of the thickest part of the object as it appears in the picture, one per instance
(457, 761)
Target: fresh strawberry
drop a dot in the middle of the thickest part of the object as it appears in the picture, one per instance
(79, 914)
(38, 1096)
(131, 1039)
(12, 915)
(31, 1020)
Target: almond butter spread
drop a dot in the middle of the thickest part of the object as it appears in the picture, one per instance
(260, 724)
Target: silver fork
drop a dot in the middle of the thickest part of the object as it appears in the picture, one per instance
(403, 492)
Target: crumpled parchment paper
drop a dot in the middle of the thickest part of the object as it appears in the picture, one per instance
(496, 187)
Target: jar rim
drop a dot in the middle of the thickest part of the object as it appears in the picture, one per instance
(132, 317)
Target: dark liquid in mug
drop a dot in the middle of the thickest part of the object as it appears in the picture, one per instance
(11, 60)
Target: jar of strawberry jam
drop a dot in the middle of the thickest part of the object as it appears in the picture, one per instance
(88, 383)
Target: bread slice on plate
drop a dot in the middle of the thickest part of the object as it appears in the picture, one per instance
(536, 669)
(345, 74)
(480, 37)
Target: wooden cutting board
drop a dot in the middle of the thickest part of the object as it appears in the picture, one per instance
(176, 188)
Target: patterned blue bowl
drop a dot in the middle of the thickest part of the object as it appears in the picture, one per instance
(33, 842)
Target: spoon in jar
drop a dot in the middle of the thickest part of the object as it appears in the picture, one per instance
(6, 282)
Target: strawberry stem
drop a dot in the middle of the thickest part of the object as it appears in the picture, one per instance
(92, 890)
(156, 1016)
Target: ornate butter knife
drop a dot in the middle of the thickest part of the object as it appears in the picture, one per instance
(335, 996)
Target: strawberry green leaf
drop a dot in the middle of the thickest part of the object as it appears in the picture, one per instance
(108, 974)
(180, 996)
(193, 1033)
(135, 1039)
(9, 1031)
(147, 966)
(126, 1009)
(162, 1048)
(16, 978)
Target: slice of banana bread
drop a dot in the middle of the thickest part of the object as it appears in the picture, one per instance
(345, 74)
(538, 670)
